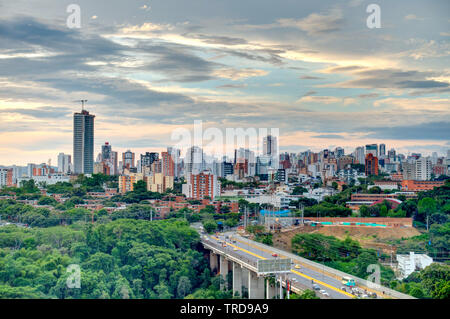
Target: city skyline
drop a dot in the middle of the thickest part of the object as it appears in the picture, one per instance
(313, 70)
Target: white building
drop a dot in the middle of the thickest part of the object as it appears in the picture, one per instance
(64, 163)
(194, 161)
(407, 264)
(319, 193)
(423, 169)
(279, 200)
(5, 175)
(47, 179)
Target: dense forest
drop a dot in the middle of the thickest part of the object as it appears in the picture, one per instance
(121, 259)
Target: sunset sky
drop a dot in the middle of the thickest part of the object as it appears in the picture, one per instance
(313, 69)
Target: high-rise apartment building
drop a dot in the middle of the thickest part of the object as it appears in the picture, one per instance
(175, 153)
(194, 162)
(128, 160)
(83, 142)
(108, 161)
(226, 168)
(159, 183)
(391, 154)
(371, 165)
(147, 159)
(423, 169)
(339, 151)
(106, 151)
(6, 177)
(126, 182)
(167, 164)
(64, 163)
(200, 185)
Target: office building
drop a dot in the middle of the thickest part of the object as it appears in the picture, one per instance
(372, 149)
(382, 150)
(83, 142)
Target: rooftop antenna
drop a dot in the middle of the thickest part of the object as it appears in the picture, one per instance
(82, 103)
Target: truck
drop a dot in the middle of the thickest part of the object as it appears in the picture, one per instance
(348, 281)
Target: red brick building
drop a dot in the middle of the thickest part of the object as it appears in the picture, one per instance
(420, 186)
(371, 165)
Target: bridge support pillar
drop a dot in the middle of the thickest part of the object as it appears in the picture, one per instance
(237, 279)
(213, 261)
(281, 287)
(224, 271)
(271, 291)
(255, 286)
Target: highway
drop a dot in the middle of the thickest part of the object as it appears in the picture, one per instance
(301, 278)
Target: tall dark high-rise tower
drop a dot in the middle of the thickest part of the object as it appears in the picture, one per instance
(83, 142)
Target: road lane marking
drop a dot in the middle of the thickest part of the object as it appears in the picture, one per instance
(294, 271)
(328, 274)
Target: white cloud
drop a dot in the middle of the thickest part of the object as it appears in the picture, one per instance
(413, 17)
(316, 24)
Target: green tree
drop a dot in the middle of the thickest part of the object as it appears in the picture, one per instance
(184, 287)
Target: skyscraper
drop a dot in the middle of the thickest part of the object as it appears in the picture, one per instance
(175, 153)
(147, 159)
(194, 161)
(372, 149)
(83, 142)
(360, 155)
(270, 145)
(106, 151)
(382, 151)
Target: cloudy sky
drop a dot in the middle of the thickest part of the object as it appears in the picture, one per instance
(313, 69)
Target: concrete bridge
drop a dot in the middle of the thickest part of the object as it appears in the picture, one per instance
(231, 253)
(245, 275)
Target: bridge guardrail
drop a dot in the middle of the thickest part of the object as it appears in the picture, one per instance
(338, 273)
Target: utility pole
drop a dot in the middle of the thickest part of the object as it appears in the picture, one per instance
(281, 287)
(392, 251)
(303, 211)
